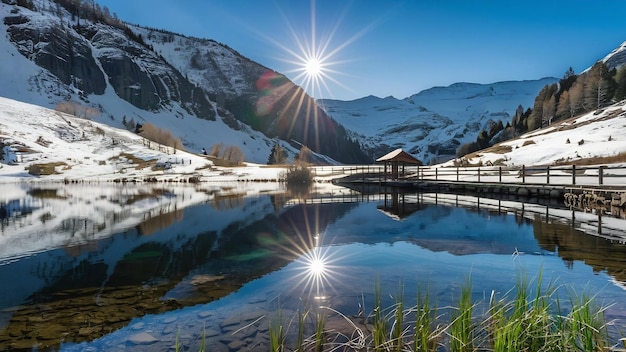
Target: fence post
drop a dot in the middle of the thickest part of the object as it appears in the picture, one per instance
(457, 173)
(523, 173)
(436, 174)
(548, 175)
(499, 174)
(601, 175)
(478, 174)
(573, 174)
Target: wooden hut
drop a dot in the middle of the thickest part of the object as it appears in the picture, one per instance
(395, 159)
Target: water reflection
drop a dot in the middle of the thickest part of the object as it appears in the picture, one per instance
(316, 272)
(118, 254)
(180, 261)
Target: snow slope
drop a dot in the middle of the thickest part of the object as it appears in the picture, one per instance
(588, 136)
(86, 150)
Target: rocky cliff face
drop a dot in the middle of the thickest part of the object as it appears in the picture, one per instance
(158, 71)
(63, 53)
(81, 56)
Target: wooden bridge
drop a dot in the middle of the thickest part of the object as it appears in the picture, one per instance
(583, 187)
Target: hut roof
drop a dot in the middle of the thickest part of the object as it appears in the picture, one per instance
(399, 155)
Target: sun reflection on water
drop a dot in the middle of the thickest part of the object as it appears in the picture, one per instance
(315, 271)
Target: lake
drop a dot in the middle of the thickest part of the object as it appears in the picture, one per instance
(109, 267)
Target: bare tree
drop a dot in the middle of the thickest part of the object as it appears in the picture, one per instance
(216, 150)
(77, 109)
(305, 155)
(548, 111)
(564, 109)
(233, 153)
(576, 96)
(67, 107)
(161, 136)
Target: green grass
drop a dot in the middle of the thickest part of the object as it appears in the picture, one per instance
(277, 334)
(527, 318)
(461, 330)
(426, 333)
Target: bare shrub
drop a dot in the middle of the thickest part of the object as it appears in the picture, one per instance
(161, 136)
(234, 154)
(305, 156)
(77, 109)
(231, 153)
(216, 150)
(44, 169)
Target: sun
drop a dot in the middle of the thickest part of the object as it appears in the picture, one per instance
(315, 58)
(315, 61)
(313, 67)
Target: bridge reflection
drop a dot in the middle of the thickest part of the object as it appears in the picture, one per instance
(398, 202)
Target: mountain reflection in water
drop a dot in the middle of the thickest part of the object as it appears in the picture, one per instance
(104, 258)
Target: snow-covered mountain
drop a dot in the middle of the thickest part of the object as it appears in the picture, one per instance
(433, 123)
(206, 93)
(203, 92)
(616, 58)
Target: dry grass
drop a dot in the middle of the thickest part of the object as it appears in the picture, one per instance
(528, 142)
(46, 169)
(140, 163)
(614, 159)
(496, 149)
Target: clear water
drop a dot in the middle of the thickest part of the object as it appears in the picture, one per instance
(183, 263)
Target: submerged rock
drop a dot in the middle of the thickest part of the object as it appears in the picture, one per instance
(142, 338)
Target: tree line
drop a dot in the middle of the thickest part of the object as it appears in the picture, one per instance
(572, 95)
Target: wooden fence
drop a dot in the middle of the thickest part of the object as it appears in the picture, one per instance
(570, 175)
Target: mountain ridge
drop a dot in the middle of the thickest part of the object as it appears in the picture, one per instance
(433, 123)
(123, 73)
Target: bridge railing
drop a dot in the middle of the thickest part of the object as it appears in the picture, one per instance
(569, 175)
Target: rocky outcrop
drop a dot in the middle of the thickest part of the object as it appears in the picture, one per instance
(135, 72)
(59, 50)
(144, 79)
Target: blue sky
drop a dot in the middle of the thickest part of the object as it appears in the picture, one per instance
(393, 47)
